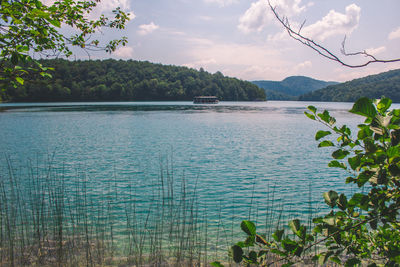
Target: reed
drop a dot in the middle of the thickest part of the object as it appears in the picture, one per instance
(49, 218)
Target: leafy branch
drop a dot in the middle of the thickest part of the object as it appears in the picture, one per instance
(363, 229)
(29, 27)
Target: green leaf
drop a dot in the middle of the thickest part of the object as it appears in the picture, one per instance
(253, 256)
(321, 134)
(330, 198)
(14, 58)
(364, 132)
(311, 116)
(340, 154)
(337, 164)
(22, 48)
(289, 245)
(40, 13)
(249, 241)
(393, 152)
(46, 75)
(325, 143)
(56, 23)
(336, 260)
(354, 162)
(241, 244)
(19, 80)
(352, 262)
(294, 225)
(248, 227)
(326, 117)
(330, 220)
(277, 235)
(363, 177)
(237, 253)
(312, 109)
(216, 264)
(364, 107)
(342, 202)
(384, 104)
(395, 137)
(298, 251)
(278, 252)
(359, 200)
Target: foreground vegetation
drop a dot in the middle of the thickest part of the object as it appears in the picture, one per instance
(52, 215)
(362, 229)
(48, 219)
(112, 80)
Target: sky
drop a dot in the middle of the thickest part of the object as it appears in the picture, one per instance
(242, 38)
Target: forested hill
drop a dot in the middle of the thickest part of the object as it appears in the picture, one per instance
(374, 86)
(112, 80)
(291, 87)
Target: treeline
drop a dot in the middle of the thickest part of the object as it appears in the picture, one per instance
(374, 86)
(112, 80)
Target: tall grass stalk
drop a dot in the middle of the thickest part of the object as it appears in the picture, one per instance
(50, 217)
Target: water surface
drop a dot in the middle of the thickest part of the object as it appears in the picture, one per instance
(233, 155)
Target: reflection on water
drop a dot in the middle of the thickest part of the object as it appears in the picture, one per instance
(274, 106)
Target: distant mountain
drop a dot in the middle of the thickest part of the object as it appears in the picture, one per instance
(373, 86)
(291, 87)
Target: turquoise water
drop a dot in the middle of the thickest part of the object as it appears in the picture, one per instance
(232, 156)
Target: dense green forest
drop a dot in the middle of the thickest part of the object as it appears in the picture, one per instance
(291, 87)
(374, 86)
(276, 95)
(112, 80)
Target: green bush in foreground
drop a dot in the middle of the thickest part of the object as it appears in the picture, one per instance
(360, 229)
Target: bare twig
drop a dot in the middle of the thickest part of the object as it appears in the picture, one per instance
(323, 51)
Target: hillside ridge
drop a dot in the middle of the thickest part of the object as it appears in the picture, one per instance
(373, 86)
(291, 87)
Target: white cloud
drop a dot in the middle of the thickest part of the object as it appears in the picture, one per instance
(48, 2)
(124, 52)
(107, 6)
(231, 53)
(376, 51)
(305, 64)
(145, 29)
(282, 35)
(222, 3)
(255, 18)
(246, 61)
(205, 18)
(334, 23)
(394, 34)
(201, 63)
(104, 7)
(289, 7)
(259, 15)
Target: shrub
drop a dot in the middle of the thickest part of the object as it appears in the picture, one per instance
(360, 229)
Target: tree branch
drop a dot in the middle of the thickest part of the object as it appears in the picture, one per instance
(321, 50)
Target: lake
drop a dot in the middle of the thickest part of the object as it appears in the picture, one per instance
(223, 163)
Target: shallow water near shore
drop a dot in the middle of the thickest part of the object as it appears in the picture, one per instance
(235, 160)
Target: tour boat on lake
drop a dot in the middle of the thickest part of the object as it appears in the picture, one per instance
(205, 100)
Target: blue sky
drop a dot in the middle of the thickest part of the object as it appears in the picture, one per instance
(242, 39)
